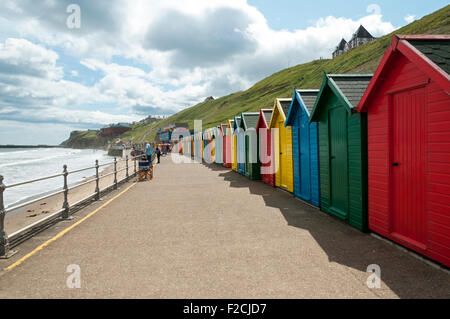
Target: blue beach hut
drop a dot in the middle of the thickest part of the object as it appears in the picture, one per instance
(305, 150)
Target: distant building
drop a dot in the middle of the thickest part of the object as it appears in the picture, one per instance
(360, 37)
(113, 130)
(209, 98)
(340, 49)
(148, 120)
(164, 135)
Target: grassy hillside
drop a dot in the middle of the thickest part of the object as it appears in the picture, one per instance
(140, 132)
(85, 139)
(363, 59)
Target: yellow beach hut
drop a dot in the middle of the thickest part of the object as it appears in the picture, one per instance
(284, 175)
(233, 146)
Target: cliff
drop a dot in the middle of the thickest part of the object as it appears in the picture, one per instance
(85, 139)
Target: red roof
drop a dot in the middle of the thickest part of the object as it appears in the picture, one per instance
(401, 44)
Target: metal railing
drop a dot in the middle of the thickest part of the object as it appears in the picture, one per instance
(9, 241)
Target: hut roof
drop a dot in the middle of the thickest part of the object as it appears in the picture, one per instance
(429, 53)
(249, 120)
(281, 107)
(308, 97)
(437, 51)
(349, 88)
(267, 115)
(304, 99)
(352, 86)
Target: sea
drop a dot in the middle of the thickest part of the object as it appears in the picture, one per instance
(23, 164)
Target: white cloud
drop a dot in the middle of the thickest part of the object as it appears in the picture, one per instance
(410, 18)
(171, 55)
(21, 57)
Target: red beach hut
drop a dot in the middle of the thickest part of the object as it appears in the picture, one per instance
(263, 123)
(408, 117)
(226, 144)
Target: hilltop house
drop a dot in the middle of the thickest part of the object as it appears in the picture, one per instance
(340, 49)
(113, 130)
(360, 37)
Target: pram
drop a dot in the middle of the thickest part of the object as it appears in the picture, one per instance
(145, 170)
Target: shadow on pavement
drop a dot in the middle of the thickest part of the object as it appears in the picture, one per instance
(405, 275)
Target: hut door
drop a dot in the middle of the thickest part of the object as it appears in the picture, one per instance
(305, 174)
(408, 167)
(338, 161)
(247, 146)
(283, 150)
(241, 153)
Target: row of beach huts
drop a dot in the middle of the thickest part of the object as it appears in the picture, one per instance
(372, 150)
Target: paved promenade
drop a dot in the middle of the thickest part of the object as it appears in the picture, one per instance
(203, 231)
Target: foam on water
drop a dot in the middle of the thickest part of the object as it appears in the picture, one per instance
(18, 165)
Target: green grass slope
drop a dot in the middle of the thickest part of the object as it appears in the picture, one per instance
(85, 139)
(363, 59)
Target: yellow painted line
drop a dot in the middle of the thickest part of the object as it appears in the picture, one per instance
(63, 232)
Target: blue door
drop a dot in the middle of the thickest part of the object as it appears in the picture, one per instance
(241, 153)
(305, 168)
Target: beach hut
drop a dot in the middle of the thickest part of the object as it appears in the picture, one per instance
(284, 176)
(208, 145)
(218, 138)
(240, 146)
(266, 159)
(183, 146)
(226, 145)
(408, 125)
(192, 144)
(252, 166)
(233, 147)
(305, 148)
(189, 144)
(212, 136)
(204, 141)
(226, 131)
(198, 145)
(342, 147)
(186, 145)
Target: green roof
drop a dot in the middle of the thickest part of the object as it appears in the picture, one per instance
(437, 51)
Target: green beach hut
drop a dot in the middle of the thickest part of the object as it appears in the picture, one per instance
(342, 147)
(252, 169)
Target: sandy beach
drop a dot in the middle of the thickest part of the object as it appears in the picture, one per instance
(22, 217)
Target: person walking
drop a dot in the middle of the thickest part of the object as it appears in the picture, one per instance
(148, 151)
(158, 154)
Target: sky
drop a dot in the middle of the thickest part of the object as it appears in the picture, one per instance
(65, 67)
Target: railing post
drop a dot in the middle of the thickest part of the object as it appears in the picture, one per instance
(135, 171)
(65, 214)
(4, 242)
(97, 180)
(126, 157)
(115, 173)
